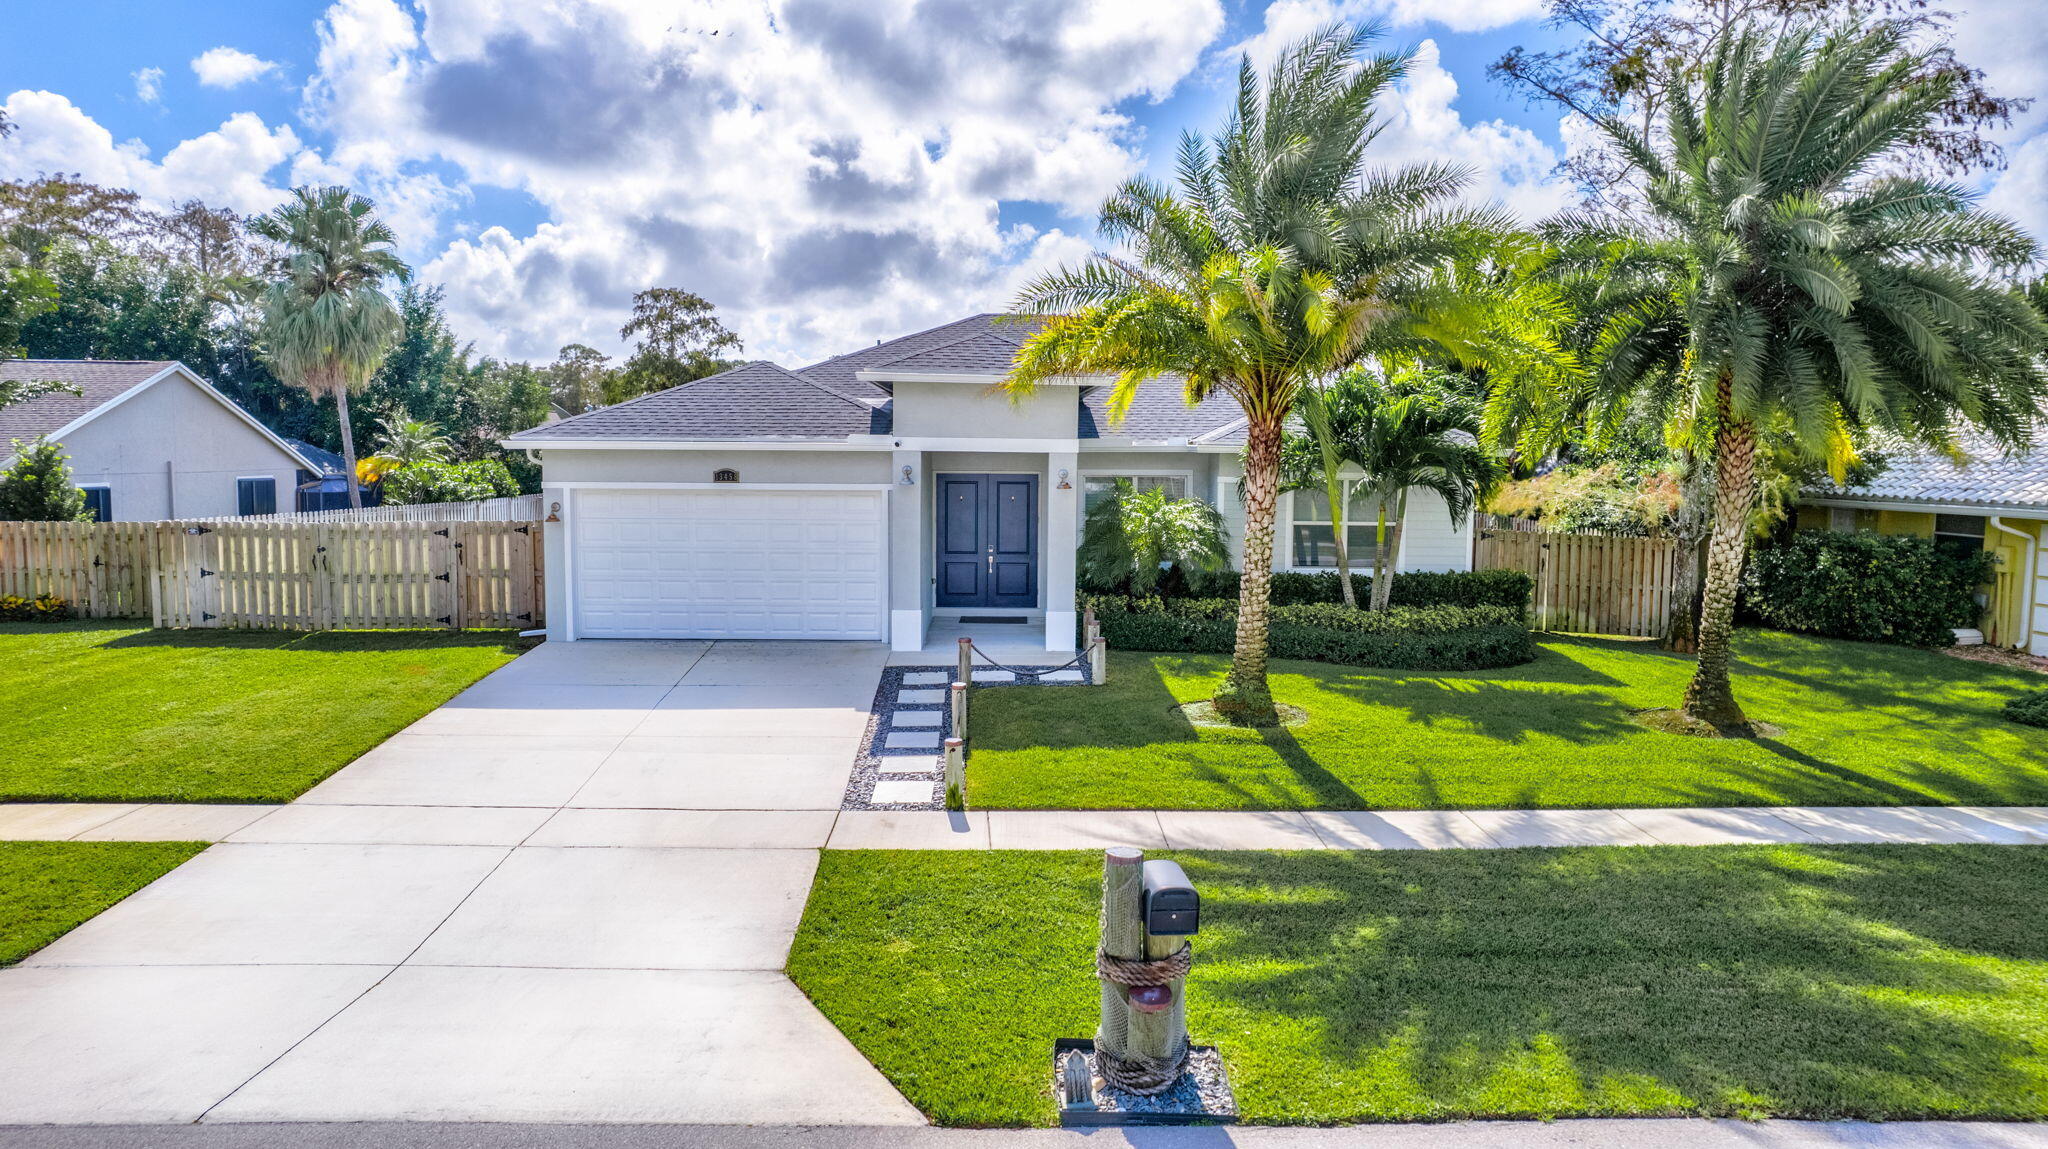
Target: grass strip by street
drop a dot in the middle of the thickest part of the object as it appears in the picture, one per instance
(1863, 725)
(1881, 982)
(47, 889)
(104, 712)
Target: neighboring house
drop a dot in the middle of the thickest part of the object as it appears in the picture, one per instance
(326, 489)
(865, 496)
(1989, 501)
(151, 440)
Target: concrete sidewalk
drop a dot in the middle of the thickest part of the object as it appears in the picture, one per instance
(1582, 1134)
(567, 895)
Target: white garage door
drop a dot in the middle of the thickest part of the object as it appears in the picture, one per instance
(728, 564)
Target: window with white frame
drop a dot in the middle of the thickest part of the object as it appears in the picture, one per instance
(1314, 539)
(1096, 488)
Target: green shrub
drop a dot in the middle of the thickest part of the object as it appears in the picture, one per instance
(431, 482)
(37, 487)
(1411, 588)
(42, 608)
(1438, 637)
(2029, 709)
(1900, 589)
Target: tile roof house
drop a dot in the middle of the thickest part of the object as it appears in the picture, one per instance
(877, 493)
(1985, 498)
(151, 440)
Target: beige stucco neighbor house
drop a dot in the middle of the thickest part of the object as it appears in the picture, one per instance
(151, 440)
(1986, 499)
(874, 494)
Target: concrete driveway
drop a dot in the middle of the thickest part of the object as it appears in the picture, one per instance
(567, 895)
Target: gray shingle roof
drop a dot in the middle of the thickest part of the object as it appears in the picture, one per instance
(755, 400)
(100, 381)
(1988, 477)
(985, 352)
(838, 373)
(1158, 411)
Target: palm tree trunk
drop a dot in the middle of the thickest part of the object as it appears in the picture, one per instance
(1383, 589)
(348, 448)
(1695, 519)
(1710, 697)
(1379, 558)
(1338, 527)
(1245, 696)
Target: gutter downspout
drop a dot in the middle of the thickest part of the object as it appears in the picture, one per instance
(2032, 551)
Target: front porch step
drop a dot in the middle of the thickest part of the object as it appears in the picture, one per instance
(1969, 636)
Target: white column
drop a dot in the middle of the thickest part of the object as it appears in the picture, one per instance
(558, 562)
(906, 551)
(1062, 528)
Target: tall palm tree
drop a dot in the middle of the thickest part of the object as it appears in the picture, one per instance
(1315, 460)
(1415, 429)
(327, 322)
(1815, 291)
(1278, 261)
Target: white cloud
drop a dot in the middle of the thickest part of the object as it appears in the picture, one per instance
(226, 67)
(226, 167)
(149, 85)
(1287, 21)
(2021, 190)
(1509, 164)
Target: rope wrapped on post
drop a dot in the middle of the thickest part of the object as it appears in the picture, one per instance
(1136, 972)
(1134, 1074)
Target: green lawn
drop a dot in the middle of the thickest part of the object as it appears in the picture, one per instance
(1848, 981)
(49, 888)
(104, 712)
(1863, 725)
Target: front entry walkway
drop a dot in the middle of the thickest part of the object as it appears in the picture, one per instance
(566, 896)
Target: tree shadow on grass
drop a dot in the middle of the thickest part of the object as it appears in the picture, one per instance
(322, 641)
(1819, 981)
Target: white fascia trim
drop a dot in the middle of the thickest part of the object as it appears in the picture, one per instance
(58, 435)
(1979, 509)
(890, 375)
(631, 486)
(695, 444)
(945, 443)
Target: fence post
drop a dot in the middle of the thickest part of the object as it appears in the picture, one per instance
(964, 667)
(1098, 661)
(956, 774)
(959, 699)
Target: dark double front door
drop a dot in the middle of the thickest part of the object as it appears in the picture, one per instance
(988, 541)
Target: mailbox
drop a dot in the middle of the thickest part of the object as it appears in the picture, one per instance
(1170, 904)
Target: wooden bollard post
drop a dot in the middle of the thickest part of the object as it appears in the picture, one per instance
(956, 774)
(1123, 936)
(959, 700)
(1098, 662)
(965, 669)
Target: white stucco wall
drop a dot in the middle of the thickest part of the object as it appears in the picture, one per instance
(975, 409)
(172, 451)
(1432, 541)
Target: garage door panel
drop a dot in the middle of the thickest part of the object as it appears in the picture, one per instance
(728, 564)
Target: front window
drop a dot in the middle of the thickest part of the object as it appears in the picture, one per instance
(1097, 488)
(256, 496)
(100, 501)
(1961, 535)
(1315, 540)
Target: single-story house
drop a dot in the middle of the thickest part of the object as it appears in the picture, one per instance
(869, 495)
(150, 440)
(1987, 500)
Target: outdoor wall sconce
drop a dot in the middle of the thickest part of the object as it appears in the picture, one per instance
(554, 512)
(908, 479)
(1064, 485)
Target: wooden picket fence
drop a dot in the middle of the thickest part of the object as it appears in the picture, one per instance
(1587, 583)
(284, 575)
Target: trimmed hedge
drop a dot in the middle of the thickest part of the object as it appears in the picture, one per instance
(42, 608)
(1401, 638)
(1900, 589)
(2029, 709)
(1411, 588)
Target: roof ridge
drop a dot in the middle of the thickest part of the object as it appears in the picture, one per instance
(846, 399)
(36, 359)
(664, 391)
(898, 339)
(943, 346)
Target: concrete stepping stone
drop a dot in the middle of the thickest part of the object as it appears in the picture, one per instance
(926, 678)
(901, 792)
(994, 676)
(1061, 676)
(910, 764)
(920, 697)
(915, 718)
(912, 740)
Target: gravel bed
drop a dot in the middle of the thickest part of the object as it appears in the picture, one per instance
(867, 765)
(1202, 1095)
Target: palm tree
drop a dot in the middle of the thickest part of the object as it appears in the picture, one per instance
(401, 443)
(1816, 291)
(1279, 262)
(1131, 535)
(1416, 429)
(327, 323)
(1315, 460)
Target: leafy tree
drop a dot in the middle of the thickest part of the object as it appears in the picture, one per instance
(25, 293)
(449, 482)
(111, 304)
(680, 340)
(405, 443)
(1627, 60)
(1415, 429)
(579, 378)
(327, 323)
(1132, 535)
(37, 487)
(1279, 261)
(1816, 291)
(40, 214)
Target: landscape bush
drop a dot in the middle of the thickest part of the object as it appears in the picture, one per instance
(1900, 589)
(2029, 709)
(1441, 637)
(1411, 588)
(432, 482)
(42, 608)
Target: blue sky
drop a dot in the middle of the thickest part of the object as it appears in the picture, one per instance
(828, 172)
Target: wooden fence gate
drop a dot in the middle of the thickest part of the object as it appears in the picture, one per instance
(1587, 583)
(283, 574)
